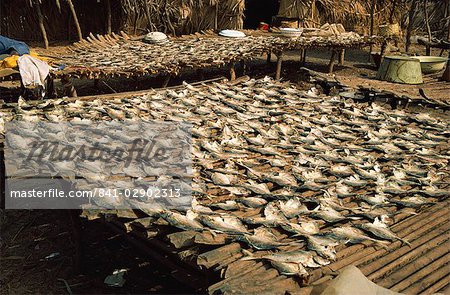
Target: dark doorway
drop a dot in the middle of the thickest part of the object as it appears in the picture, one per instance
(257, 11)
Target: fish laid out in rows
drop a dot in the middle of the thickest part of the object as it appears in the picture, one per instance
(136, 57)
(312, 171)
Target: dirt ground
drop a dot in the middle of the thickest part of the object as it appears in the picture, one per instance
(38, 248)
(38, 251)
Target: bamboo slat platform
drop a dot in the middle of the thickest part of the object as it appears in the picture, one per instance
(270, 108)
(422, 268)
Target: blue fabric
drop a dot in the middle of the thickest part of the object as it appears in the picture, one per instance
(7, 45)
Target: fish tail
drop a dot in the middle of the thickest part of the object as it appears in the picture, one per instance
(405, 242)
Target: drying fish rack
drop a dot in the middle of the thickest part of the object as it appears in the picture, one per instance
(202, 258)
(422, 268)
(121, 55)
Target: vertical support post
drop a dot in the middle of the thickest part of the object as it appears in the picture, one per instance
(269, 57)
(232, 71)
(412, 12)
(68, 88)
(108, 17)
(303, 56)
(75, 19)
(216, 16)
(372, 12)
(166, 81)
(51, 92)
(279, 62)
(41, 23)
(341, 56)
(427, 23)
(244, 67)
(332, 61)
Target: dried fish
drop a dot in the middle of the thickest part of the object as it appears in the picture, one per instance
(186, 222)
(380, 229)
(225, 223)
(262, 239)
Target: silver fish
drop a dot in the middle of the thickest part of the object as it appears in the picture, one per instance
(253, 202)
(381, 230)
(186, 222)
(262, 239)
(350, 234)
(292, 207)
(302, 228)
(323, 246)
(225, 223)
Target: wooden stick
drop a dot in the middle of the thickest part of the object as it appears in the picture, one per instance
(372, 12)
(269, 56)
(232, 71)
(41, 23)
(412, 12)
(279, 62)
(427, 23)
(75, 19)
(166, 81)
(342, 57)
(108, 17)
(332, 61)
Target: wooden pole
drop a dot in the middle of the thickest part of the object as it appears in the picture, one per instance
(75, 19)
(341, 56)
(41, 23)
(427, 23)
(148, 15)
(447, 14)
(391, 16)
(232, 71)
(412, 12)
(372, 12)
(216, 16)
(108, 17)
(279, 62)
(332, 61)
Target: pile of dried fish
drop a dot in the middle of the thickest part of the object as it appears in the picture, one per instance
(115, 55)
(285, 170)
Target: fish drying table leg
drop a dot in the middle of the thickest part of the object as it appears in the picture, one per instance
(269, 57)
(303, 56)
(68, 88)
(342, 57)
(332, 61)
(166, 81)
(279, 62)
(232, 71)
(244, 67)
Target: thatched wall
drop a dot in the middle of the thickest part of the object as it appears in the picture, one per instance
(181, 16)
(19, 19)
(355, 14)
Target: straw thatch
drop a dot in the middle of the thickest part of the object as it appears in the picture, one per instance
(355, 14)
(181, 16)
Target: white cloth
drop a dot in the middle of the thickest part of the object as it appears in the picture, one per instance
(33, 71)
